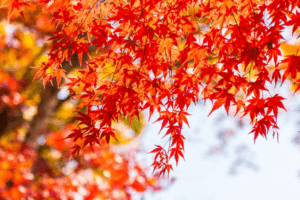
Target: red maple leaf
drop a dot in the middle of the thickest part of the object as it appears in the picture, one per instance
(293, 67)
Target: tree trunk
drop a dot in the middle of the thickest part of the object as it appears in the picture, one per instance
(49, 104)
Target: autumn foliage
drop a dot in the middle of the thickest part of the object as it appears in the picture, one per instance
(162, 56)
(36, 159)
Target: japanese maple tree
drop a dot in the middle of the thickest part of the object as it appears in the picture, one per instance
(162, 56)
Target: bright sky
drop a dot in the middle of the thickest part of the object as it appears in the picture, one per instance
(224, 166)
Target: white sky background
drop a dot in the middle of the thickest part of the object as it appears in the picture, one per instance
(234, 168)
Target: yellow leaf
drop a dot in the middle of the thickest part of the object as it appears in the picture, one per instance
(2, 31)
(41, 59)
(289, 49)
(181, 46)
(108, 68)
(28, 41)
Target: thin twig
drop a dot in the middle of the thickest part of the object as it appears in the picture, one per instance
(237, 24)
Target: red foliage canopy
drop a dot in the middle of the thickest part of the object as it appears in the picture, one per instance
(161, 55)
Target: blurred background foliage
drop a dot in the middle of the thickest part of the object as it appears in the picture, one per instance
(41, 166)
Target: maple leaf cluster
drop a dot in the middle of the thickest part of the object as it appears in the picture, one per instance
(162, 55)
